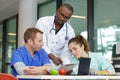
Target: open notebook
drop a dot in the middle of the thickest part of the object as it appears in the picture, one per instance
(84, 66)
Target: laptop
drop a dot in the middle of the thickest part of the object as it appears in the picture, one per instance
(84, 66)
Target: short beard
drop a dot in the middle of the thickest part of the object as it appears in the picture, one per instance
(60, 23)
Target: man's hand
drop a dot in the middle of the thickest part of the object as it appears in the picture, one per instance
(56, 60)
(33, 70)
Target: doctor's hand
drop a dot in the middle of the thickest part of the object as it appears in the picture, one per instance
(56, 60)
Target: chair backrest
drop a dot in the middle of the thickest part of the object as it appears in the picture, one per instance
(116, 57)
(5, 76)
(116, 50)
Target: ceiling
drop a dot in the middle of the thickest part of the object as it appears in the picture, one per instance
(9, 8)
(108, 13)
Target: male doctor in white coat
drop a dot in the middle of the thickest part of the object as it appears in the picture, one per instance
(57, 32)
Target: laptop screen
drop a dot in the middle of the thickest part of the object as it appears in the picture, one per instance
(84, 65)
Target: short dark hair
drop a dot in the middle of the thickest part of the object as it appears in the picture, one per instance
(30, 33)
(68, 6)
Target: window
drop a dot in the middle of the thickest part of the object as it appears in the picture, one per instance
(107, 25)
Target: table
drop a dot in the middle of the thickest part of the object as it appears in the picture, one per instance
(92, 77)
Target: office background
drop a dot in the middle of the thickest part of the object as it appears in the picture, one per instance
(97, 20)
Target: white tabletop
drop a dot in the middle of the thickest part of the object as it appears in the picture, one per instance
(67, 77)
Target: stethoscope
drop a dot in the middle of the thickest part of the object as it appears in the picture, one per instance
(66, 37)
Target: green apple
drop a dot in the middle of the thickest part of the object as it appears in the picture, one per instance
(54, 72)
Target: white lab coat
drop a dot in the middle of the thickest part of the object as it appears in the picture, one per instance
(55, 43)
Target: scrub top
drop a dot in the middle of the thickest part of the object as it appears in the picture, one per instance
(98, 63)
(22, 55)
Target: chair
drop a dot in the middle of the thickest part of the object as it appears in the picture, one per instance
(5, 76)
(116, 57)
